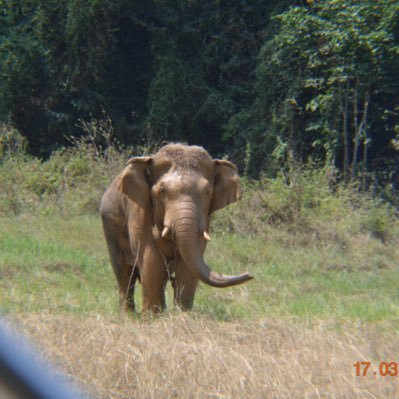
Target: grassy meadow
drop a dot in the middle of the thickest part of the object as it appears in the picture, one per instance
(325, 293)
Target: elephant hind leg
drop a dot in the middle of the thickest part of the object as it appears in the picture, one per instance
(126, 274)
(126, 278)
(126, 288)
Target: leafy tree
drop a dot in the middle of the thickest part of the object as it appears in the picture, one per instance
(23, 69)
(324, 78)
(66, 60)
(271, 84)
(205, 57)
(160, 69)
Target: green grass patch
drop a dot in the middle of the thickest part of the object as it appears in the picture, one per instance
(49, 264)
(305, 281)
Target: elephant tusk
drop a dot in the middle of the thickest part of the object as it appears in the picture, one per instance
(165, 232)
(206, 236)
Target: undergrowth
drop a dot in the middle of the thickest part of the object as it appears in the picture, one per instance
(72, 180)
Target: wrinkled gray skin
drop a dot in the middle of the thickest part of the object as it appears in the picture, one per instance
(156, 217)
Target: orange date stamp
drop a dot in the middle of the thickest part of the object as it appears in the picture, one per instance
(383, 369)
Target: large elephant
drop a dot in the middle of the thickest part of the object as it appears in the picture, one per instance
(156, 217)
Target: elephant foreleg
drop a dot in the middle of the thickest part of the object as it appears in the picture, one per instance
(153, 279)
(184, 286)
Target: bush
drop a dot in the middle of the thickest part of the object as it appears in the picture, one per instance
(12, 143)
(70, 182)
(312, 205)
(310, 202)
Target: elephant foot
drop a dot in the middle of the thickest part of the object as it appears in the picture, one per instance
(127, 305)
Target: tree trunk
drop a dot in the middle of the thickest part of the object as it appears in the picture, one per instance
(344, 101)
(359, 128)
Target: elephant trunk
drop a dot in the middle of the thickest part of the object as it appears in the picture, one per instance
(187, 236)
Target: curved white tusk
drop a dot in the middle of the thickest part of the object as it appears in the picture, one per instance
(206, 236)
(165, 232)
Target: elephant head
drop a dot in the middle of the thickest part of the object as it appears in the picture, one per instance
(182, 186)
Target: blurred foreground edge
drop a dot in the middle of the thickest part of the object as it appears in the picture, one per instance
(22, 375)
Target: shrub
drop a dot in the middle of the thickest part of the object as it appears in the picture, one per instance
(71, 181)
(12, 143)
(312, 205)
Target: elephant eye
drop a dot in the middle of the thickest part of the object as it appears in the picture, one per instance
(162, 189)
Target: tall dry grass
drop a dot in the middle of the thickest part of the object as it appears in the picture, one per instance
(178, 356)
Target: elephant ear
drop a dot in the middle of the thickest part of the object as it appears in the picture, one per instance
(134, 181)
(227, 185)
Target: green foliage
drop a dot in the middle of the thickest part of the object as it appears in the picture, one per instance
(270, 84)
(312, 202)
(319, 77)
(70, 182)
(377, 221)
(12, 143)
(161, 69)
(23, 69)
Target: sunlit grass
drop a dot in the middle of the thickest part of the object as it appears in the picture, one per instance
(55, 265)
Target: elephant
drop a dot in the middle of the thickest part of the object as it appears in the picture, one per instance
(156, 217)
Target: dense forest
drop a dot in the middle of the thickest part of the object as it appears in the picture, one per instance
(272, 85)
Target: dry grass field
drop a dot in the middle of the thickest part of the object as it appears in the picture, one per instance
(181, 356)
